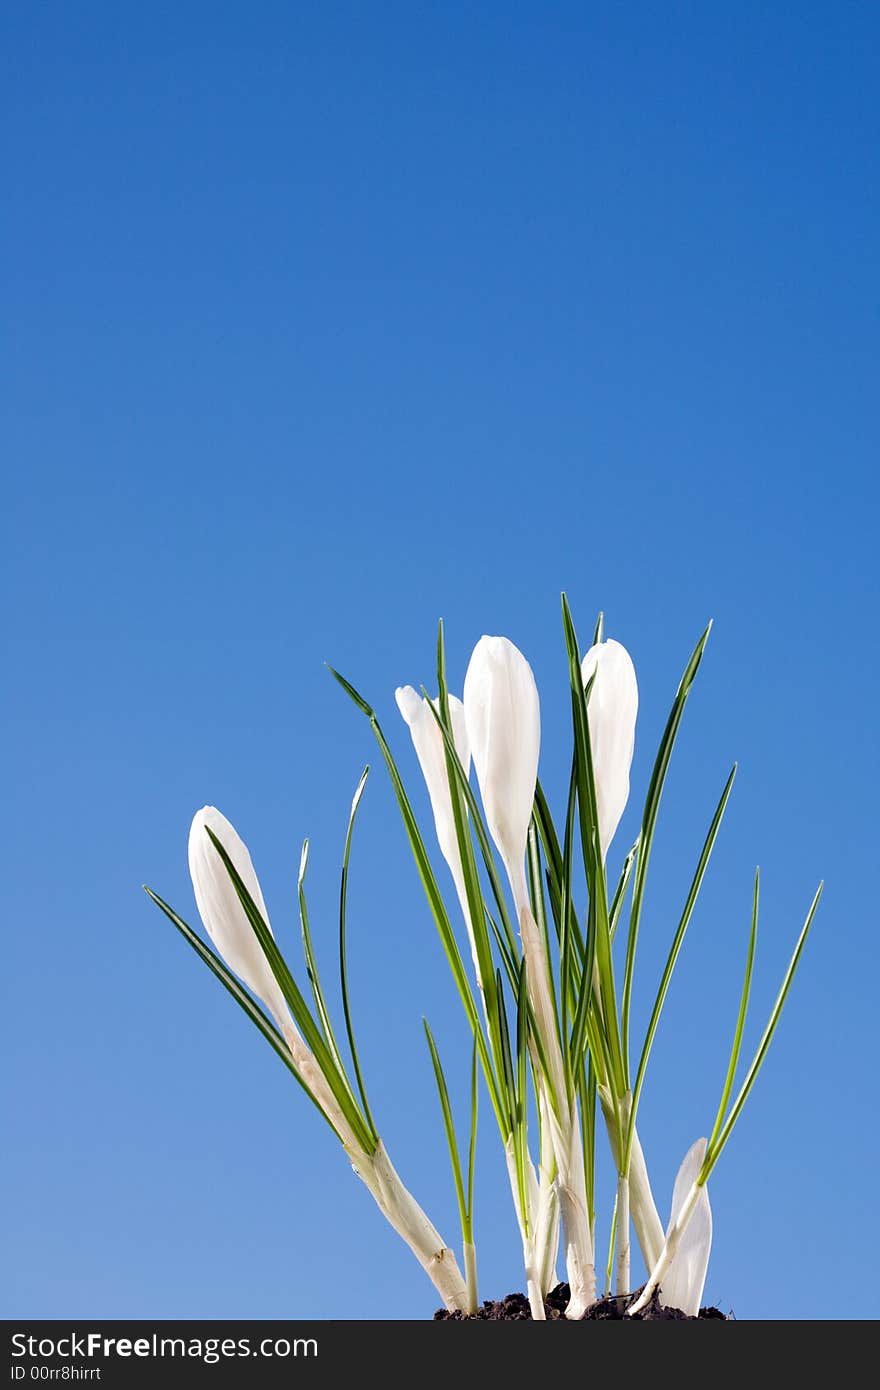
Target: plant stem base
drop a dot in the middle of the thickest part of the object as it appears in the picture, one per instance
(515, 1308)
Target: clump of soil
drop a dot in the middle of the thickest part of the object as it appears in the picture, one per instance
(515, 1308)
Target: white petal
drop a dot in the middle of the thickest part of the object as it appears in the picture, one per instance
(685, 1279)
(221, 911)
(431, 752)
(409, 702)
(503, 717)
(459, 732)
(612, 710)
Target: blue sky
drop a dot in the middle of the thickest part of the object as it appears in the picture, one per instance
(321, 322)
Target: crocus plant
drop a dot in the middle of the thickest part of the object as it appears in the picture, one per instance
(536, 966)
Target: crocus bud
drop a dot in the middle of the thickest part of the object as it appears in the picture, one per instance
(431, 753)
(221, 911)
(503, 719)
(683, 1282)
(612, 709)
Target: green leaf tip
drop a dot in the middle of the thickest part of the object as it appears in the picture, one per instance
(351, 692)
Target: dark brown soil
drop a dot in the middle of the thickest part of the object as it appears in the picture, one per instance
(515, 1308)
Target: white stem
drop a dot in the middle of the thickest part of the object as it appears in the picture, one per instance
(623, 1115)
(542, 1218)
(564, 1127)
(524, 1218)
(667, 1254)
(547, 1214)
(397, 1205)
(519, 886)
(649, 1227)
(536, 1298)
(578, 1239)
(470, 1274)
(409, 1221)
(548, 1238)
(316, 1081)
(622, 1285)
(541, 997)
(643, 1209)
(527, 1222)
(540, 1247)
(534, 1286)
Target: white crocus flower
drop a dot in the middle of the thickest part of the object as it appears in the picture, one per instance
(684, 1280)
(503, 718)
(227, 924)
(612, 710)
(221, 911)
(431, 753)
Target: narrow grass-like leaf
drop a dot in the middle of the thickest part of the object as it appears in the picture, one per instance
(230, 983)
(312, 967)
(566, 906)
(472, 1146)
(539, 912)
(573, 952)
(433, 895)
(311, 1031)
(609, 1268)
(515, 1132)
(522, 1039)
(675, 948)
(555, 870)
(458, 778)
(736, 1046)
(343, 952)
(588, 1033)
(713, 1154)
(510, 961)
(536, 884)
(599, 938)
(586, 1087)
(352, 693)
(476, 908)
(449, 1126)
(620, 891)
(506, 1058)
(649, 821)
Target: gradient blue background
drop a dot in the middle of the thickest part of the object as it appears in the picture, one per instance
(321, 321)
